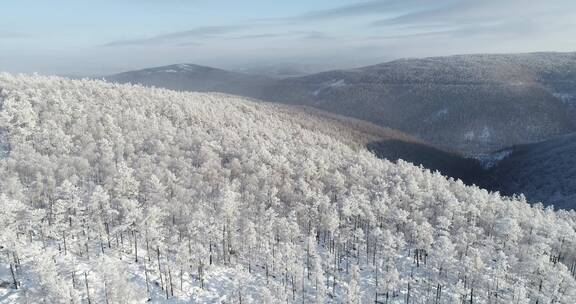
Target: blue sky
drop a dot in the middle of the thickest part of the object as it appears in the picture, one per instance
(100, 37)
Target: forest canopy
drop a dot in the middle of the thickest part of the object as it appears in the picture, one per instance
(118, 193)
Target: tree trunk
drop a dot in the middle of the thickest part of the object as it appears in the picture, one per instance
(101, 243)
(43, 239)
(107, 234)
(308, 260)
(135, 246)
(146, 275)
(87, 248)
(210, 253)
(159, 268)
(14, 281)
(224, 244)
(376, 280)
(106, 292)
(293, 289)
(87, 288)
(147, 247)
(408, 294)
(170, 279)
(438, 293)
(64, 239)
(167, 295)
(201, 273)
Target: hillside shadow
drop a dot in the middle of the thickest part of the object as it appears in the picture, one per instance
(450, 164)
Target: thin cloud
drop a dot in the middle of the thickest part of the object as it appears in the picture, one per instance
(188, 44)
(200, 32)
(499, 19)
(315, 35)
(260, 36)
(359, 9)
(473, 12)
(307, 35)
(414, 35)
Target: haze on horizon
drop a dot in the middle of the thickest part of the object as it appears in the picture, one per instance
(97, 38)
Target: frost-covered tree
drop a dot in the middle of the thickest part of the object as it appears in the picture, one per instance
(116, 283)
(354, 295)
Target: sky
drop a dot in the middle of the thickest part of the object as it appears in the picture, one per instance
(81, 37)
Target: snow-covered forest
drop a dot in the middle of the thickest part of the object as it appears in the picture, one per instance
(118, 194)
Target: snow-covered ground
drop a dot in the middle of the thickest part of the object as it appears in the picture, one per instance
(489, 161)
(333, 84)
(569, 99)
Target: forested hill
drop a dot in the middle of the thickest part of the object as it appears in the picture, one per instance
(119, 193)
(466, 103)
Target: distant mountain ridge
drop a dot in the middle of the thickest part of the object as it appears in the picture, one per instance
(467, 103)
(192, 77)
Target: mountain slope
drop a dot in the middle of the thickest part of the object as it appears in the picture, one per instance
(468, 103)
(543, 172)
(117, 193)
(186, 77)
